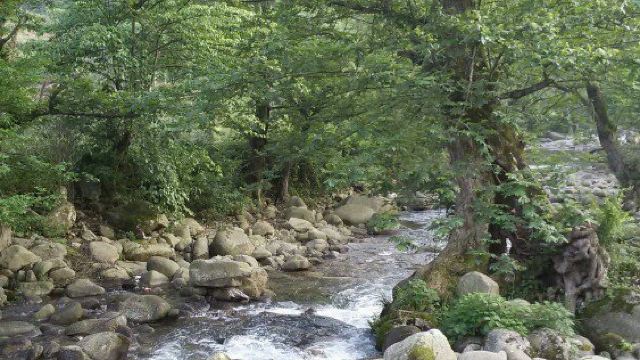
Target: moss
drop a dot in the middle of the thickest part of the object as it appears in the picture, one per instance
(421, 352)
(613, 343)
(380, 328)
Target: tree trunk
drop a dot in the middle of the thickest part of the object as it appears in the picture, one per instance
(257, 161)
(608, 136)
(283, 194)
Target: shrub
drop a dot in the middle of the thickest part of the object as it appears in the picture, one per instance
(421, 352)
(416, 296)
(382, 223)
(611, 217)
(477, 314)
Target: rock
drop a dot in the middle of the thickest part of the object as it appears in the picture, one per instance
(263, 228)
(72, 352)
(115, 273)
(594, 357)
(35, 289)
(107, 231)
(270, 212)
(67, 314)
(92, 326)
(607, 320)
(355, 214)
(17, 349)
(398, 334)
(296, 263)
(84, 287)
(219, 356)
(144, 308)
(154, 278)
(44, 312)
(88, 235)
(317, 244)
(3, 297)
(105, 346)
(300, 225)
(104, 253)
(200, 248)
(583, 346)
(15, 257)
(171, 239)
(5, 237)
(549, 344)
(477, 282)
(502, 339)
(432, 342)
(515, 354)
(232, 242)
(296, 201)
(10, 328)
(133, 268)
(62, 217)
(334, 219)
(376, 203)
(217, 273)
(301, 213)
(194, 227)
(229, 294)
(137, 252)
(162, 265)
(50, 251)
(482, 355)
(256, 284)
(62, 276)
(261, 253)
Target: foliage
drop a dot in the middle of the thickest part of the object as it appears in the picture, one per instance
(421, 352)
(477, 314)
(416, 295)
(382, 223)
(610, 217)
(403, 243)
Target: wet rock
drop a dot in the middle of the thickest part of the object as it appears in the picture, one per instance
(138, 252)
(67, 314)
(154, 279)
(44, 312)
(162, 265)
(15, 257)
(219, 356)
(84, 287)
(105, 346)
(482, 355)
(17, 349)
(229, 294)
(432, 342)
(103, 252)
(263, 228)
(92, 326)
(502, 339)
(35, 289)
(477, 282)
(72, 352)
(296, 263)
(10, 328)
(144, 308)
(50, 251)
(232, 242)
(398, 334)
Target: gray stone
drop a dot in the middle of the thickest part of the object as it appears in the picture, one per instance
(62, 276)
(144, 308)
(261, 253)
(107, 231)
(355, 214)
(219, 356)
(84, 287)
(154, 278)
(296, 201)
(45, 312)
(482, 355)
(92, 326)
(296, 263)
(300, 225)
(35, 289)
(301, 213)
(72, 352)
(162, 265)
(5, 237)
(263, 228)
(133, 268)
(218, 273)
(116, 273)
(16, 257)
(200, 248)
(549, 344)
(63, 217)
(477, 282)
(432, 339)
(232, 242)
(16, 328)
(105, 346)
(503, 339)
(67, 314)
(50, 251)
(515, 354)
(103, 252)
(138, 252)
(398, 334)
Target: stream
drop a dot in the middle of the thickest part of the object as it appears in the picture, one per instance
(318, 314)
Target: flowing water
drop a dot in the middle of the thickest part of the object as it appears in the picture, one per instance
(319, 314)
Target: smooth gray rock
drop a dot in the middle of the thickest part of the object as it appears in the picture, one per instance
(103, 252)
(67, 314)
(162, 265)
(9, 328)
(501, 339)
(232, 242)
(477, 282)
(218, 273)
(153, 278)
(16, 257)
(144, 308)
(50, 251)
(105, 346)
(482, 355)
(84, 287)
(432, 339)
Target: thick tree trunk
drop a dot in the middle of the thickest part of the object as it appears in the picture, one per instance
(257, 161)
(608, 136)
(283, 193)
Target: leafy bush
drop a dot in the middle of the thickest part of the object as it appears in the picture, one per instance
(416, 295)
(403, 243)
(382, 223)
(611, 217)
(477, 314)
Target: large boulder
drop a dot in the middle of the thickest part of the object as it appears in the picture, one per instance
(138, 252)
(355, 214)
(105, 346)
(15, 257)
(93, 326)
(296, 263)
(195, 229)
(502, 340)
(162, 265)
(301, 213)
(300, 225)
(613, 319)
(376, 203)
(200, 248)
(263, 228)
(50, 251)
(232, 242)
(477, 282)
(67, 314)
(217, 273)
(84, 287)
(144, 308)
(153, 278)
(10, 328)
(62, 217)
(398, 334)
(104, 253)
(549, 344)
(432, 345)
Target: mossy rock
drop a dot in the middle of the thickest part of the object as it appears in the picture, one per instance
(421, 352)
